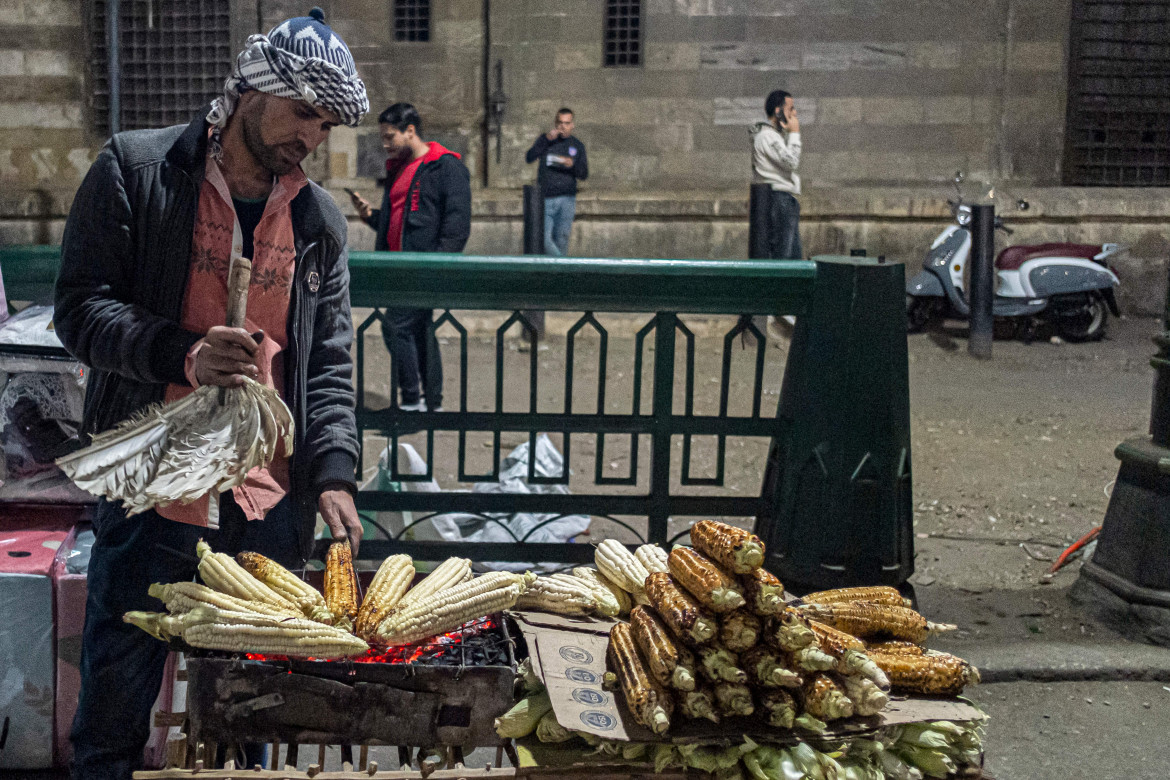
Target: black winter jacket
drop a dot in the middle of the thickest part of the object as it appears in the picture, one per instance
(438, 206)
(125, 259)
(554, 179)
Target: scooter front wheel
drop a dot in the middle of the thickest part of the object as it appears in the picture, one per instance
(920, 312)
(1080, 318)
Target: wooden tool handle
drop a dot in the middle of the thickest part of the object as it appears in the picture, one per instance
(239, 276)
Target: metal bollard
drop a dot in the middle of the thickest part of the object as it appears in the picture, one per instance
(534, 241)
(759, 201)
(982, 277)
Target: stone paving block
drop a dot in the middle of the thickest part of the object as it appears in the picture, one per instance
(672, 56)
(52, 12)
(44, 115)
(457, 35)
(576, 56)
(935, 54)
(853, 56)
(840, 111)
(11, 62)
(1046, 56)
(751, 56)
(49, 62)
(894, 111)
(947, 110)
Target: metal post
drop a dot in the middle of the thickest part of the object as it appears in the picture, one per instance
(1160, 408)
(114, 65)
(758, 202)
(982, 280)
(534, 240)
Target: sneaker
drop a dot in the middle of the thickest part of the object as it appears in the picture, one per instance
(417, 406)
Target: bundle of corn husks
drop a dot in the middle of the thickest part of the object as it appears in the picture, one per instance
(253, 604)
(712, 637)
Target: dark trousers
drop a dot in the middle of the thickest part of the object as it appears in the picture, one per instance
(121, 665)
(416, 355)
(784, 227)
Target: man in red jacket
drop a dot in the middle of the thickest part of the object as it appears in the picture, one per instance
(426, 207)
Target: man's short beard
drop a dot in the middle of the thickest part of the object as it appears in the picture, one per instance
(268, 156)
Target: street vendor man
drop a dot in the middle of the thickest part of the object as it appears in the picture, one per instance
(141, 300)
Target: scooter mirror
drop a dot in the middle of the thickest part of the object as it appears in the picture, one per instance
(1023, 205)
(958, 177)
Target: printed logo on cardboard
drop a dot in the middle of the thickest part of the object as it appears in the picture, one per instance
(576, 655)
(579, 675)
(589, 696)
(602, 721)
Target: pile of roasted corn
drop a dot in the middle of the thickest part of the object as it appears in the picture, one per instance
(712, 637)
(253, 604)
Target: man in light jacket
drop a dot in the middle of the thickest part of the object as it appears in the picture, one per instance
(775, 158)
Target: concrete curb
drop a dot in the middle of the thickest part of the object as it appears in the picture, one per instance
(1066, 661)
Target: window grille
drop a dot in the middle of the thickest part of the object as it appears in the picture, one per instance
(1118, 127)
(623, 33)
(175, 56)
(412, 20)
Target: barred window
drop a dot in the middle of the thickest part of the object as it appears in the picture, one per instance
(623, 33)
(175, 55)
(1118, 127)
(412, 20)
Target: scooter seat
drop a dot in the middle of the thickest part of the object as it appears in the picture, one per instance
(1013, 257)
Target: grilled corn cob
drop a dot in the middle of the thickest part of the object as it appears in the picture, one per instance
(734, 699)
(867, 697)
(849, 652)
(679, 611)
(733, 548)
(788, 631)
(288, 585)
(448, 574)
(559, 593)
(699, 576)
(933, 673)
(341, 585)
(879, 594)
(813, 659)
(765, 669)
(521, 720)
(452, 607)
(614, 601)
(619, 564)
(237, 632)
(652, 557)
(763, 591)
(389, 585)
(699, 703)
(867, 620)
(895, 647)
(823, 698)
(717, 664)
(220, 571)
(671, 664)
(648, 701)
(186, 596)
(739, 630)
(780, 705)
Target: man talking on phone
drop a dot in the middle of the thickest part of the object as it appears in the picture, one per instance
(561, 164)
(775, 158)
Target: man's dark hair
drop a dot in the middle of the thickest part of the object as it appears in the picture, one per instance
(775, 100)
(564, 110)
(400, 115)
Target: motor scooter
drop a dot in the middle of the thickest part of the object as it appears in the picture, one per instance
(1068, 285)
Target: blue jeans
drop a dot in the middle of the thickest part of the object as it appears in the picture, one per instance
(558, 222)
(784, 227)
(416, 355)
(121, 665)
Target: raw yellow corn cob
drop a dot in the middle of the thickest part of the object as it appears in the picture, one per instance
(780, 706)
(812, 659)
(764, 668)
(850, 654)
(703, 579)
(652, 557)
(867, 697)
(733, 548)
(341, 585)
(763, 591)
(823, 698)
(718, 664)
(448, 574)
(452, 607)
(895, 647)
(619, 564)
(220, 571)
(734, 699)
(788, 630)
(933, 673)
(879, 594)
(614, 601)
(559, 593)
(867, 620)
(288, 585)
(648, 701)
(186, 596)
(670, 663)
(386, 590)
(548, 729)
(679, 611)
(739, 631)
(699, 703)
(521, 720)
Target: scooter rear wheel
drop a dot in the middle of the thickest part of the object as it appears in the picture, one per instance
(1080, 318)
(920, 312)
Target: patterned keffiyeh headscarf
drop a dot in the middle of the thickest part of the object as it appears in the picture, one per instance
(302, 59)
